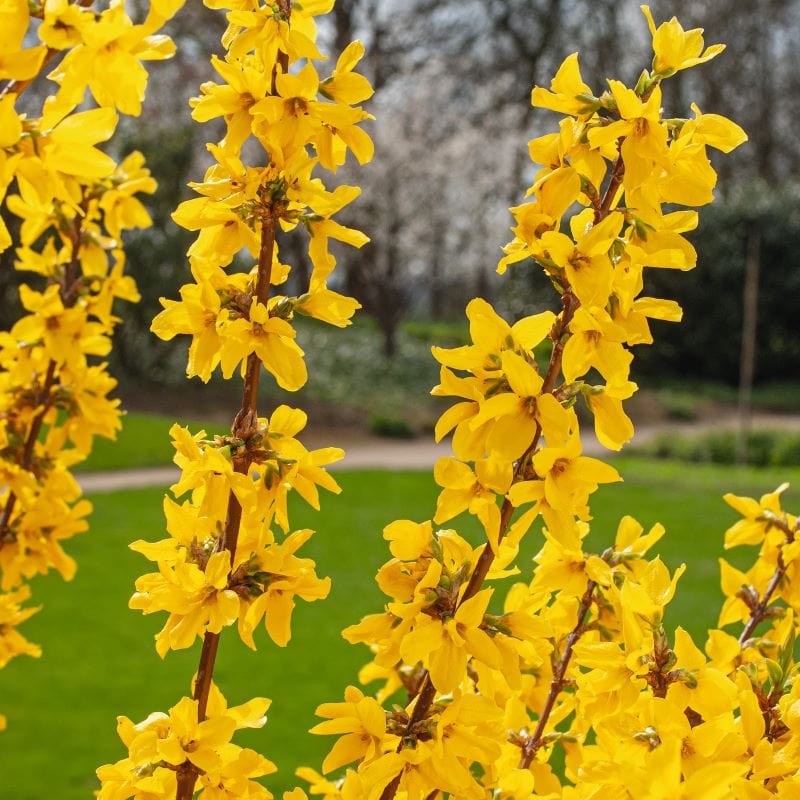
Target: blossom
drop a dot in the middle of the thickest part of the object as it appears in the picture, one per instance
(362, 724)
(676, 49)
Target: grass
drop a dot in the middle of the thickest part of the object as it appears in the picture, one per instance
(99, 660)
(144, 441)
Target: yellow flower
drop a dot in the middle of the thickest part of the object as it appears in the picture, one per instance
(565, 156)
(554, 195)
(644, 137)
(569, 477)
(643, 600)
(196, 314)
(121, 210)
(12, 642)
(10, 125)
(246, 82)
(345, 85)
(517, 414)
(198, 743)
(266, 31)
(700, 686)
(361, 723)
(290, 466)
(278, 576)
(759, 517)
(444, 646)
(569, 95)
(644, 308)
(596, 341)
(108, 61)
(327, 306)
(271, 339)
(491, 336)
(69, 146)
(16, 63)
(612, 426)
(197, 598)
(64, 24)
(676, 49)
(463, 489)
(585, 260)
(65, 332)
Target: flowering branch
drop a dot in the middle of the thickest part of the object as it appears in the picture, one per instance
(231, 558)
(759, 610)
(534, 742)
(244, 426)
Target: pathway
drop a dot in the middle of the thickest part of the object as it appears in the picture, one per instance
(371, 452)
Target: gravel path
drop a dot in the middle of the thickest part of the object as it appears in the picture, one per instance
(370, 452)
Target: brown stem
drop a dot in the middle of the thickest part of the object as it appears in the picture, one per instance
(243, 425)
(391, 788)
(285, 9)
(657, 678)
(557, 685)
(245, 419)
(758, 613)
(602, 210)
(18, 87)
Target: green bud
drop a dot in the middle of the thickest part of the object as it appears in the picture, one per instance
(775, 672)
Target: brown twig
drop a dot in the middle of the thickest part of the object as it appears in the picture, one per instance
(570, 305)
(759, 612)
(26, 462)
(602, 210)
(243, 424)
(533, 744)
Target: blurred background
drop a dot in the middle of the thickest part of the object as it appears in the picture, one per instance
(453, 117)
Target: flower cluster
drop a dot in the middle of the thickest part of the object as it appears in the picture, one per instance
(574, 665)
(232, 556)
(162, 744)
(201, 584)
(74, 202)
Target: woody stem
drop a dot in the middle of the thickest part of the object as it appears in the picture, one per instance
(243, 426)
(758, 613)
(603, 208)
(558, 682)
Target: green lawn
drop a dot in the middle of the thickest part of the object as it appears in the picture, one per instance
(99, 660)
(144, 441)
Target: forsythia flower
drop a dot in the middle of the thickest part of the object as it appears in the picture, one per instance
(164, 744)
